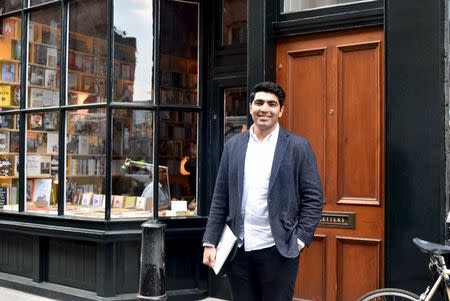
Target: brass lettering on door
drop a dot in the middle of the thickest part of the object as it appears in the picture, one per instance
(334, 219)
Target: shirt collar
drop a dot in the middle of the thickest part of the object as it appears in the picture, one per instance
(269, 137)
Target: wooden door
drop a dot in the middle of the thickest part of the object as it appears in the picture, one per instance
(334, 85)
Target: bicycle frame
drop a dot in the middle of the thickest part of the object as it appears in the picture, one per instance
(444, 275)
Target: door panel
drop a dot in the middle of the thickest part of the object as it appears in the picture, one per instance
(334, 98)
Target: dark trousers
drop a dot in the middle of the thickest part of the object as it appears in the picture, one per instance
(262, 275)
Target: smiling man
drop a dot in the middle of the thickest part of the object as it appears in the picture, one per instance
(269, 193)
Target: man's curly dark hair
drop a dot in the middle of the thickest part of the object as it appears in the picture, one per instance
(269, 87)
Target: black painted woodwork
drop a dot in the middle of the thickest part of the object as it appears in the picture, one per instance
(415, 149)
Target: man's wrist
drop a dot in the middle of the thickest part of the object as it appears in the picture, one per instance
(207, 244)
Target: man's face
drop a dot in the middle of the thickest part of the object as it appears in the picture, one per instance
(265, 110)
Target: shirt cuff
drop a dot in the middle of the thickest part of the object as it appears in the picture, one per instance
(300, 243)
(207, 244)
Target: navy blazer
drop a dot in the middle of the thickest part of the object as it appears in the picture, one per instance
(295, 192)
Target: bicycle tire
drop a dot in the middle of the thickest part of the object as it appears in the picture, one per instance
(389, 294)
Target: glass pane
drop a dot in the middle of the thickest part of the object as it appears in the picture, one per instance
(298, 5)
(85, 169)
(7, 6)
(234, 22)
(87, 57)
(236, 108)
(132, 165)
(42, 162)
(43, 69)
(179, 53)
(10, 49)
(178, 151)
(133, 51)
(9, 160)
(37, 2)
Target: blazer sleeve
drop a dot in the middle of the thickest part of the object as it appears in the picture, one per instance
(311, 196)
(220, 202)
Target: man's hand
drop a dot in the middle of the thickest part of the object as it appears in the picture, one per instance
(209, 256)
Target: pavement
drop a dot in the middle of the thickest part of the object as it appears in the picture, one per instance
(7, 294)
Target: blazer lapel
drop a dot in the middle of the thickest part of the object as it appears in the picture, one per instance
(280, 150)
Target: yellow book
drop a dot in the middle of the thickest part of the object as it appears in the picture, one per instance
(130, 202)
(5, 96)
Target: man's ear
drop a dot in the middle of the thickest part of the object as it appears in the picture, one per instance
(281, 111)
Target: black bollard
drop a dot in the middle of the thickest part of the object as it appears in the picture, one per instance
(152, 280)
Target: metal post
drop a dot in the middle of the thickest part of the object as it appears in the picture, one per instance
(152, 280)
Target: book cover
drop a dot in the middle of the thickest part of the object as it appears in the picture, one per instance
(50, 78)
(44, 167)
(16, 96)
(52, 57)
(86, 199)
(72, 81)
(52, 143)
(50, 121)
(5, 96)
(32, 143)
(49, 99)
(4, 141)
(16, 165)
(130, 202)
(117, 201)
(88, 64)
(88, 84)
(42, 189)
(36, 75)
(35, 121)
(5, 167)
(8, 72)
(78, 62)
(9, 26)
(83, 145)
(98, 200)
(14, 141)
(224, 247)
(4, 195)
(40, 55)
(16, 49)
(141, 203)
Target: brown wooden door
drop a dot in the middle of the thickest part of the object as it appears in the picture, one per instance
(334, 85)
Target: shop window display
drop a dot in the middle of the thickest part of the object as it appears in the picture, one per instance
(234, 22)
(298, 5)
(9, 162)
(236, 108)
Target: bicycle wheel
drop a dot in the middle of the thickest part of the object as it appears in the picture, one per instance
(389, 294)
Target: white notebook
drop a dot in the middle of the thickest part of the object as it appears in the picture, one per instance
(224, 247)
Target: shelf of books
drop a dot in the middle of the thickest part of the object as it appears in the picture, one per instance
(9, 160)
(178, 80)
(10, 50)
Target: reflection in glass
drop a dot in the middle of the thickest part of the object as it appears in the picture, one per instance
(42, 143)
(85, 169)
(236, 108)
(178, 151)
(179, 53)
(298, 5)
(10, 48)
(87, 56)
(132, 165)
(7, 6)
(133, 51)
(9, 160)
(234, 22)
(44, 57)
(37, 2)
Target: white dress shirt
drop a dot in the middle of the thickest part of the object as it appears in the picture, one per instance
(258, 165)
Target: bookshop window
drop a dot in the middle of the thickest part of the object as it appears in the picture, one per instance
(9, 161)
(234, 22)
(10, 63)
(236, 108)
(85, 163)
(42, 162)
(132, 165)
(298, 5)
(133, 51)
(178, 153)
(87, 54)
(7, 6)
(37, 2)
(179, 52)
(44, 57)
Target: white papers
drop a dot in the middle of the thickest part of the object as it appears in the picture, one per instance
(224, 247)
(178, 205)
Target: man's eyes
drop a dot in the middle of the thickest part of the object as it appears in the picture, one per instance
(270, 103)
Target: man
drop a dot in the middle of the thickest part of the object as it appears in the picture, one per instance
(268, 191)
